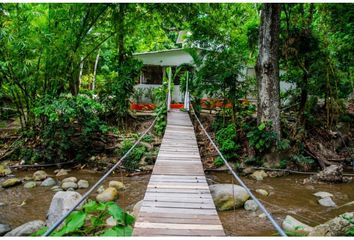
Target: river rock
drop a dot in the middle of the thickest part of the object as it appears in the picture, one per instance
(292, 225)
(39, 175)
(4, 228)
(49, 182)
(110, 194)
(4, 170)
(26, 229)
(70, 189)
(248, 170)
(100, 189)
(70, 179)
(83, 184)
(56, 189)
(338, 226)
(262, 192)
(259, 175)
(262, 215)
(61, 203)
(250, 205)
(228, 196)
(61, 172)
(11, 182)
(327, 202)
(117, 185)
(67, 185)
(323, 194)
(28, 178)
(30, 184)
(136, 208)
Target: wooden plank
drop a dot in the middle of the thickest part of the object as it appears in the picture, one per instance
(174, 232)
(178, 210)
(177, 226)
(179, 205)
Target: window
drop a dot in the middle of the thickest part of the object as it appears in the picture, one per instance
(151, 74)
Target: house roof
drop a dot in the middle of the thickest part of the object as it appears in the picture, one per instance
(167, 57)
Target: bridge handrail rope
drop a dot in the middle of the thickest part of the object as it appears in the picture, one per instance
(260, 205)
(99, 182)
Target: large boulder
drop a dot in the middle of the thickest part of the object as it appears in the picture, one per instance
(26, 229)
(294, 226)
(117, 185)
(49, 182)
(11, 182)
(228, 196)
(39, 175)
(259, 175)
(338, 226)
(110, 194)
(61, 203)
(4, 228)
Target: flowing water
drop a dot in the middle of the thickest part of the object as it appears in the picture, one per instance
(288, 196)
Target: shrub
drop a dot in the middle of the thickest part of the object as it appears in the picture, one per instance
(132, 161)
(91, 221)
(69, 127)
(261, 138)
(225, 138)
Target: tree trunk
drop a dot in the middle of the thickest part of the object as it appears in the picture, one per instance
(95, 71)
(119, 15)
(267, 68)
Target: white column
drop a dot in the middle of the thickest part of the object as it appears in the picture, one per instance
(186, 94)
(169, 89)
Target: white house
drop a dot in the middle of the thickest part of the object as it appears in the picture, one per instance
(156, 62)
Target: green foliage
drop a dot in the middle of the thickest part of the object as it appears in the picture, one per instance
(90, 221)
(283, 144)
(225, 138)
(302, 159)
(218, 162)
(350, 231)
(261, 138)
(161, 98)
(120, 88)
(69, 127)
(132, 161)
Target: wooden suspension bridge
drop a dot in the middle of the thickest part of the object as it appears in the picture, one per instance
(177, 201)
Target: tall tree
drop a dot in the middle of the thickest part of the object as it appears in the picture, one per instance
(267, 67)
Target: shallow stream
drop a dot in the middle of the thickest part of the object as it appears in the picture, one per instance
(287, 196)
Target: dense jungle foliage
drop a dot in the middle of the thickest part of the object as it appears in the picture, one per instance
(67, 76)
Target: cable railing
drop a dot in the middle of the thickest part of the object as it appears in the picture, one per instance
(260, 205)
(98, 183)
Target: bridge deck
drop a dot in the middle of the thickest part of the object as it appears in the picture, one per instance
(177, 201)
